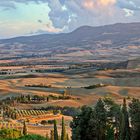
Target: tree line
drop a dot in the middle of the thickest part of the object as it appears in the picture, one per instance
(108, 121)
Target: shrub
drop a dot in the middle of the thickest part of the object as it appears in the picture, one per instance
(9, 133)
(44, 122)
(32, 137)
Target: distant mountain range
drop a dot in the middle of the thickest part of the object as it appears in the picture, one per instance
(118, 42)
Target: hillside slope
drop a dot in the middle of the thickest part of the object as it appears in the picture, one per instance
(109, 42)
(134, 63)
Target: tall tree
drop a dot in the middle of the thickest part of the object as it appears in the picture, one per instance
(110, 133)
(113, 117)
(84, 125)
(24, 129)
(125, 128)
(63, 133)
(101, 118)
(55, 130)
(135, 118)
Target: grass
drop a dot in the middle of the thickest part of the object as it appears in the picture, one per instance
(59, 82)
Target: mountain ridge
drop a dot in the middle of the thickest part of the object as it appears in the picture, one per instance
(120, 40)
(79, 28)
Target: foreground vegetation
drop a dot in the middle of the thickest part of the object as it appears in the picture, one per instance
(106, 120)
(12, 134)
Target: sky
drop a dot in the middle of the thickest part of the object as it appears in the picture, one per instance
(30, 17)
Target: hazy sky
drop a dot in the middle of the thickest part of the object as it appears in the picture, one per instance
(27, 17)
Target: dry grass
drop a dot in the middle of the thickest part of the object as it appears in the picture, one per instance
(17, 86)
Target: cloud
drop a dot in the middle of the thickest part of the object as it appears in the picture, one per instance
(7, 5)
(50, 28)
(128, 12)
(91, 12)
(11, 4)
(58, 14)
(66, 15)
(90, 4)
(82, 12)
(107, 2)
(129, 4)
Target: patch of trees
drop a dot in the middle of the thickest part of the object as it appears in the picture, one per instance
(50, 70)
(3, 73)
(68, 111)
(62, 97)
(16, 114)
(18, 76)
(95, 86)
(44, 122)
(35, 99)
(12, 134)
(32, 137)
(40, 86)
(108, 121)
(100, 66)
(9, 133)
(24, 99)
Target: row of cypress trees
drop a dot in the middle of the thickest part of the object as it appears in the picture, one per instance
(108, 121)
(54, 133)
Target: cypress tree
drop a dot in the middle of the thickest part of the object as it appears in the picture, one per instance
(125, 129)
(113, 111)
(101, 118)
(76, 127)
(24, 128)
(135, 118)
(55, 131)
(110, 133)
(63, 133)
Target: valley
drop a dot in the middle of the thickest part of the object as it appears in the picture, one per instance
(46, 77)
(66, 86)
